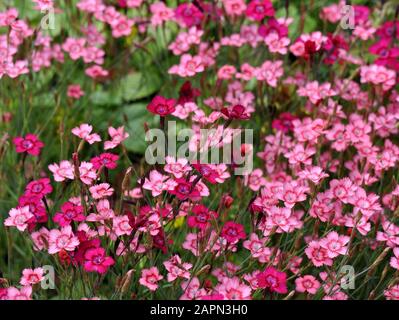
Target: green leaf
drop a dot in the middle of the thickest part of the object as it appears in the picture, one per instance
(138, 85)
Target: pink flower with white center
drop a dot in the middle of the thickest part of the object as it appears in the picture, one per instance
(156, 182)
(84, 132)
(282, 218)
(188, 67)
(177, 269)
(233, 289)
(121, 26)
(19, 218)
(121, 225)
(300, 155)
(160, 13)
(335, 244)
(342, 189)
(87, 173)
(270, 71)
(339, 136)
(101, 190)
(247, 72)
(150, 277)
(307, 284)
(75, 47)
(292, 193)
(314, 174)
(152, 225)
(117, 137)
(75, 91)
(63, 239)
(390, 234)
(25, 293)
(40, 239)
(255, 245)
(31, 276)
(317, 254)
(104, 212)
(62, 171)
(366, 204)
(91, 5)
(192, 289)
(362, 225)
(255, 180)
(394, 262)
(176, 167)
(191, 243)
(308, 129)
(277, 44)
(357, 130)
(378, 75)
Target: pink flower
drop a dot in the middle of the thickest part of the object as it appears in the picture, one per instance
(176, 167)
(97, 261)
(40, 187)
(177, 269)
(40, 239)
(234, 7)
(29, 144)
(121, 225)
(75, 91)
(31, 276)
(117, 137)
(156, 182)
(63, 239)
(378, 75)
(317, 254)
(150, 277)
(342, 189)
(19, 218)
(233, 232)
(202, 217)
(160, 13)
(87, 173)
(277, 44)
(121, 26)
(233, 289)
(25, 293)
(273, 280)
(62, 171)
(96, 72)
(83, 132)
(162, 106)
(334, 244)
(314, 174)
(75, 47)
(307, 283)
(188, 67)
(394, 262)
(101, 190)
(226, 72)
(69, 212)
(270, 72)
(259, 9)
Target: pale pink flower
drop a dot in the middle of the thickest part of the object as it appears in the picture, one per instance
(62, 171)
(31, 276)
(63, 239)
(150, 277)
(101, 190)
(19, 218)
(117, 137)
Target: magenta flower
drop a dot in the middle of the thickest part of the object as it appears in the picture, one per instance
(202, 217)
(259, 9)
(273, 280)
(69, 212)
(29, 144)
(233, 232)
(161, 106)
(97, 261)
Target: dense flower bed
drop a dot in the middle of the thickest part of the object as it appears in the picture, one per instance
(315, 218)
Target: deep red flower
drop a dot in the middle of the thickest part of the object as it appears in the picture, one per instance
(185, 190)
(162, 106)
(202, 217)
(233, 232)
(236, 112)
(273, 280)
(284, 122)
(29, 144)
(207, 172)
(187, 93)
